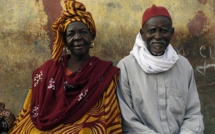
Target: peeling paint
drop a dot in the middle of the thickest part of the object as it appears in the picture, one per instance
(197, 24)
(111, 4)
(36, 42)
(202, 1)
(53, 10)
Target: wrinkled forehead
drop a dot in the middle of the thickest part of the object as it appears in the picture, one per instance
(76, 24)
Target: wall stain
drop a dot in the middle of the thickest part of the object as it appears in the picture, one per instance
(114, 5)
(213, 6)
(197, 24)
(33, 63)
(2, 62)
(36, 42)
(196, 48)
(111, 4)
(202, 1)
(53, 10)
(19, 65)
(137, 8)
(30, 63)
(29, 39)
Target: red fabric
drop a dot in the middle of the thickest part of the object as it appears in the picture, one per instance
(155, 11)
(67, 72)
(57, 104)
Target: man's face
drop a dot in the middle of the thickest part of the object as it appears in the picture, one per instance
(157, 33)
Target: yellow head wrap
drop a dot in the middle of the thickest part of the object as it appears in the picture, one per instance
(75, 11)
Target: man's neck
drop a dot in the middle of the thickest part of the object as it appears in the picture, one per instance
(156, 54)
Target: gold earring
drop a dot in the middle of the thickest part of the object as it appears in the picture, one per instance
(92, 44)
(66, 50)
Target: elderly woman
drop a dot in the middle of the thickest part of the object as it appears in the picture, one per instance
(73, 93)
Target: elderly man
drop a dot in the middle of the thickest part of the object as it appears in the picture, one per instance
(157, 90)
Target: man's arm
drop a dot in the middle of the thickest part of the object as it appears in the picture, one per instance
(131, 124)
(193, 119)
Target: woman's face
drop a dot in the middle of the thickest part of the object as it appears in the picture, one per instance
(78, 38)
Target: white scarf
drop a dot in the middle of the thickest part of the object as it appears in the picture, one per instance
(153, 64)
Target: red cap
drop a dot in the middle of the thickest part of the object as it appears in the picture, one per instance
(155, 11)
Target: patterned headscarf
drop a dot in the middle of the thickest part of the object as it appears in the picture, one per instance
(75, 11)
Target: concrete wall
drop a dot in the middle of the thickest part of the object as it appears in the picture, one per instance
(25, 37)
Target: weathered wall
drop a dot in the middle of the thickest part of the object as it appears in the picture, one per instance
(25, 37)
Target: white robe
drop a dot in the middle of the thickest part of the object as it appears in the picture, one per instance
(164, 103)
